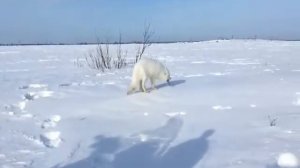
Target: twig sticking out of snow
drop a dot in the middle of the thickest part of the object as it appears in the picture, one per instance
(272, 121)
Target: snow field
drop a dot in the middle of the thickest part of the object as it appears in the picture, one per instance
(216, 113)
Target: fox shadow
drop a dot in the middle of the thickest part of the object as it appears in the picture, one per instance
(172, 83)
(146, 155)
(159, 86)
(155, 152)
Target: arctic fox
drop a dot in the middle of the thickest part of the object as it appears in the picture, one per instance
(145, 69)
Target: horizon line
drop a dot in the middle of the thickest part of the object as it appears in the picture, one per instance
(140, 42)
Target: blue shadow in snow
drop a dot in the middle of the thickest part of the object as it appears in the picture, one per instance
(103, 147)
(153, 153)
(185, 155)
(172, 83)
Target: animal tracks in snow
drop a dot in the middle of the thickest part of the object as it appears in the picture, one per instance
(33, 86)
(51, 122)
(48, 138)
(39, 94)
(35, 91)
(19, 109)
(51, 139)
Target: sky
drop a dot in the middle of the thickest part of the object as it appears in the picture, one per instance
(75, 21)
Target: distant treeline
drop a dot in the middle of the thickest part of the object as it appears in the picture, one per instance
(138, 42)
(93, 43)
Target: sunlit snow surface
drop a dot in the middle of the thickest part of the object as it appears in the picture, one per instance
(217, 113)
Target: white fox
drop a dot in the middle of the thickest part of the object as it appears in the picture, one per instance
(145, 69)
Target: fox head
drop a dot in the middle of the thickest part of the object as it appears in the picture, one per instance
(165, 75)
(130, 89)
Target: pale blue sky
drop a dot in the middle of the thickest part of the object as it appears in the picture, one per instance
(72, 21)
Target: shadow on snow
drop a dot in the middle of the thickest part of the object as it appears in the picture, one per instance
(152, 152)
(171, 83)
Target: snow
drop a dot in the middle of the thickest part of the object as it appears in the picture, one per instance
(287, 160)
(218, 107)
(55, 118)
(56, 112)
(51, 139)
(51, 122)
(175, 114)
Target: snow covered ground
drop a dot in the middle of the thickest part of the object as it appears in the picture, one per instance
(218, 112)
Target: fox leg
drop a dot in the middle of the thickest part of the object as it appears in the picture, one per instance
(153, 84)
(144, 85)
(140, 85)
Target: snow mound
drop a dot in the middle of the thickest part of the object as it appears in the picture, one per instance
(30, 96)
(20, 106)
(218, 73)
(55, 118)
(48, 124)
(175, 114)
(36, 95)
(222, 107)
(51, 122)
(51, 139)
(198, 62)
(193, 75)
(33, 86)
(287, 160)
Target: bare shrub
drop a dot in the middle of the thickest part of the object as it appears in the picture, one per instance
(78, 62)
(145, 43)
(96, 60)
(120, 61)
(102, 59)
(272, 121)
